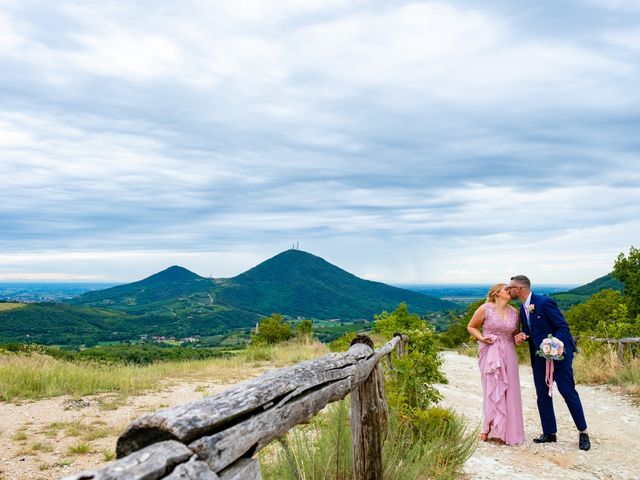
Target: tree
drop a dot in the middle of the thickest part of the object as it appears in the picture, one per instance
(398, 321)
(627, 270)
(603, 315)
(457, 333)
(304, 329)
(272, 330)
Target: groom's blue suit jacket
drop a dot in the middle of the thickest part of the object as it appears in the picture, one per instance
(546, 319)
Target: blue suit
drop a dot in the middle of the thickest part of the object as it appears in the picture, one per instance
(546, 319)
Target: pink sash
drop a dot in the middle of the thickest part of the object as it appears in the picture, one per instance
(548, 376)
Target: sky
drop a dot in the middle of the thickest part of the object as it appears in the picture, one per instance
(406, 142)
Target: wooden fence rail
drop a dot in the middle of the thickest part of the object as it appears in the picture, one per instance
(620, 341)
(217, 437)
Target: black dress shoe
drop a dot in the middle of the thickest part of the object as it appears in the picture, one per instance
(545, 438)
(584, 442)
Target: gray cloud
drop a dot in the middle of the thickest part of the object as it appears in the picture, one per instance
(442, 130)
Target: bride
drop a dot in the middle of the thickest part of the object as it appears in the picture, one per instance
(498, 362)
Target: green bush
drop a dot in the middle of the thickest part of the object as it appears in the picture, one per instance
(605, 314)
(304, 329)
(411, 384)
(272, 330)
(457, 333)
(430, 421)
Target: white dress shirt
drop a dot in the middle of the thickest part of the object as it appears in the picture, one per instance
(526, 308)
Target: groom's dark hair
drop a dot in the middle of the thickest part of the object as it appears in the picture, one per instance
(522, 280)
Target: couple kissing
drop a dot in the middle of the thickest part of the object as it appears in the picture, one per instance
(499, 329)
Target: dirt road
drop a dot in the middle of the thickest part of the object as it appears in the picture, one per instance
(614, 428)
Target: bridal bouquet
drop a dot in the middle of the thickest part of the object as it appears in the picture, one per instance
(551, 349)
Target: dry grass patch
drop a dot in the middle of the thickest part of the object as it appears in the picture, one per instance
(108, 455)
(35, 448)
(65, 462)
(79, 448)
(77, 428)
(21, 434)
(35, 376)
(599, 364)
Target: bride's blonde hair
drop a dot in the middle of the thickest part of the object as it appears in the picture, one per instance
(493, 292)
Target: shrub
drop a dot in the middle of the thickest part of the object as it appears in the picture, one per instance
(411, 385)
(272, 330)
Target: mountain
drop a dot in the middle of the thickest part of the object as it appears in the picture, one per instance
(581, 294)
(293, 283)
(175, 293)
(137, 297)
(297, 283)
(177, 302)
(599, 284)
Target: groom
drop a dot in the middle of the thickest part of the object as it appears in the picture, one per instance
(540, 317)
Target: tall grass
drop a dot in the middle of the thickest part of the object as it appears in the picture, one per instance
(598, 363)
(34, 376)
(322, 450)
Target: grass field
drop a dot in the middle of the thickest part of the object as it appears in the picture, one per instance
(5, 307)
(33, 376)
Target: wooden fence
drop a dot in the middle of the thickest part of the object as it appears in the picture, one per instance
(620, 341)
(216, 438)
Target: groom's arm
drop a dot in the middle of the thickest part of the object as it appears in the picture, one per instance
(560, 326)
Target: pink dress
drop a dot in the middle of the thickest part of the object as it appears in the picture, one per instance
(500, 377)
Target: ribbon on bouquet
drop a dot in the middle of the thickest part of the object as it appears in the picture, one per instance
(548, 376)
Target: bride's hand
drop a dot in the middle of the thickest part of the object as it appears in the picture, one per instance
(488, 341)
(520, 338)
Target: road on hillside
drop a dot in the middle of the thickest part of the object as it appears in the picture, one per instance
(614, 428)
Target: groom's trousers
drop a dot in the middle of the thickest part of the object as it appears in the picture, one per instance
(563, 376)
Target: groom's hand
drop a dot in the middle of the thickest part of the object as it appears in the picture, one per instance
(520, 338)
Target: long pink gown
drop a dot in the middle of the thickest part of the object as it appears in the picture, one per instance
(502, 403)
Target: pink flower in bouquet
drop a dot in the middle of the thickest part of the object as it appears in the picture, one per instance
(551, 349)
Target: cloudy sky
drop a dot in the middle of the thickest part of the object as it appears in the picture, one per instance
(422, 142)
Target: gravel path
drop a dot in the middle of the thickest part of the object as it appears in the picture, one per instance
(614, 428)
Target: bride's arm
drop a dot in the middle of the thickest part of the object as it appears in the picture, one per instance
(519, 336)
(475, 323)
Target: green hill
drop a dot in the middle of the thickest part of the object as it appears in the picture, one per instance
(599, 284)
(177, 302)
(170, 284)
(297, 283)
(49, 323)
(584, 292)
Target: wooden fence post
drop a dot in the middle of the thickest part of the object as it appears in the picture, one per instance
(400, 346)
(620, 351)
(369, 422)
